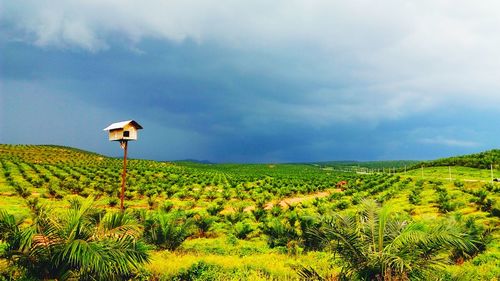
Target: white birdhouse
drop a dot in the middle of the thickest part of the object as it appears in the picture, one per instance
(123, 131)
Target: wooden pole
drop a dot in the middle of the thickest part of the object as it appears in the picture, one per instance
(124, 174)
(491, 172)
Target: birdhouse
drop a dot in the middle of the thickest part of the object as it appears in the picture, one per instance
(123, 131)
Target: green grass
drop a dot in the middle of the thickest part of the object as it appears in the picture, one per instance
(266, 265)
(457, 173)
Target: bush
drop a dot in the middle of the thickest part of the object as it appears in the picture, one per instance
(84, 193)
(72, 185)
(258, 213)
(310, 240)
(167, 231)
(236, 216)
(167, 206)
(37, 183)
(128, 195)
(342, 205)
(444, 203)
(22, 190)
(444, 200)
(214, 209)
(414, 196)
(356, 199)
(242, 229)
(152, 202)
(478, 235)
(489, 186)
(203, 223)
(414, 249)
(278, 233)
(200, 271)
(74, 245)
(112, 202)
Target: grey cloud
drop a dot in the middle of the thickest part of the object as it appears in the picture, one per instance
(439, 140)
(431, 48)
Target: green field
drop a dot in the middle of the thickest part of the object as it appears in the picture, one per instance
(246, 221)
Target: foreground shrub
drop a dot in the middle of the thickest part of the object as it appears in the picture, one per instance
(214, 208)
(478, 235)
(22, 190)
(73, 245)
(279, 233)
(376, 244)
(242, 229)
(200, 271)
(167, 231)
(203, 224)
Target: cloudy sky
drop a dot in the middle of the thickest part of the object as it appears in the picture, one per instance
(254, 81)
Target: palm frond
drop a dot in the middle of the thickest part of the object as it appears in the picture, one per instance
(119, 224)
(70, 245)
(308, 273)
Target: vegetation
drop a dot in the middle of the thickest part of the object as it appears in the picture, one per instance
(166, 231)
(378, 244)
(78, 243)
(192, 221)
(481, 160)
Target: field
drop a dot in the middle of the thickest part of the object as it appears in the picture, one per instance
(261, 221)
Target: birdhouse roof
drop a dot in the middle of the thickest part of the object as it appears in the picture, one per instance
(122, 124)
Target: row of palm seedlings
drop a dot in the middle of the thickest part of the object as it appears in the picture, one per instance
(167, 179)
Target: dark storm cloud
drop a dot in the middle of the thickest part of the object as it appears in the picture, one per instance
(315, 80)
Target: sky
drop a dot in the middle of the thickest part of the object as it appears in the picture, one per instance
(253, 81)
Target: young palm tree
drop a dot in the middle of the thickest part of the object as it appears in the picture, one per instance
(76, 245)
(167, 230)
(12, 235)
(376, 244)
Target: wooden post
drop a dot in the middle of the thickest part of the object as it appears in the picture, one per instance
(124, 145)
(491, 172)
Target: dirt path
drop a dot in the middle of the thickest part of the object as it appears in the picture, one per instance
(294, 200)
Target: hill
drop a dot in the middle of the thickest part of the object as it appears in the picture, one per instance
(389, 164)
(48, 154)
(193, 161)
(481, 160)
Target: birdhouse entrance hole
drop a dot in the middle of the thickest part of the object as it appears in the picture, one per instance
(126, 134)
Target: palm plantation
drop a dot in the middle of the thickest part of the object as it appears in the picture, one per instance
(239, 222)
